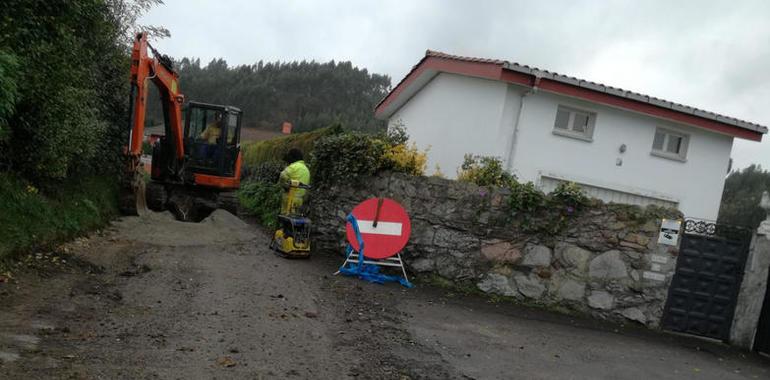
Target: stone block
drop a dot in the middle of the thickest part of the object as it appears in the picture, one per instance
(500, 252)
(536, 256)
(617, 225)
(494, 283)
(571, 290)
(504, 270)
(601, 300)
(572, 257)
(638, 239)
(446, 266)
(484, 217)
(634, 314)
(422, 233)
(529, 285)
(628, 244)
(423, 265)
(608, 265)
(454, 239)
(651, 226)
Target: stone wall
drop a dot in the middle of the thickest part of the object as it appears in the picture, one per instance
(603, 261)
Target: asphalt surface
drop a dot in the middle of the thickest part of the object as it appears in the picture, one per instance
(157, 299)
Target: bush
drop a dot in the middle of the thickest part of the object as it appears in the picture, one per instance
(347, 157)
(396, 134)
(569, 194)
(9, 66)
(525, 198)
(407, 159)
(437, 172)
(263, 200)
(484, 171)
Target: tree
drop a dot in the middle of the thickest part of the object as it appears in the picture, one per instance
(741, 196)
(308, 94)
(64, 77)
(126, 14)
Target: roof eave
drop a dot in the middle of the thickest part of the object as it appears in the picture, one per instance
(636, 97)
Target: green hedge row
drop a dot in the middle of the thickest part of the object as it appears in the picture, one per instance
(258, 152)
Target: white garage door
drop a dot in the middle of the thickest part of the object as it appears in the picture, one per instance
(548, 184)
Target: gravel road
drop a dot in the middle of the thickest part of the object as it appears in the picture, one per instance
(153, 298)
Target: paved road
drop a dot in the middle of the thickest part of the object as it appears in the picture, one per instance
(159, 299)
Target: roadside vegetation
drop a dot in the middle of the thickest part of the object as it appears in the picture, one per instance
(335, 155)
(533, 211)
(32, 220)
(63, 107)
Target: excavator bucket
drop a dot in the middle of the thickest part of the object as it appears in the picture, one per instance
(133, 200)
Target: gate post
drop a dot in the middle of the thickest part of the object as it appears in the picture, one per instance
(752, 292)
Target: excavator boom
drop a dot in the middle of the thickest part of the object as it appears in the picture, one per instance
(159, 70)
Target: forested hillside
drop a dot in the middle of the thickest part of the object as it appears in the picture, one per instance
(310, 95)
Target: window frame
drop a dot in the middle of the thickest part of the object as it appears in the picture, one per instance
(587, 135)
(663, 153)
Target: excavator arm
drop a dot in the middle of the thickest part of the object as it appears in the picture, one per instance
(157, 69)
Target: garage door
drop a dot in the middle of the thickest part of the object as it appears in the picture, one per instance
(548, 184)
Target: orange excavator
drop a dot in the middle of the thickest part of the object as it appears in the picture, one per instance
(196, 164)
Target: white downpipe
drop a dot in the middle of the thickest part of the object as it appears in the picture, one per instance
(515, 137)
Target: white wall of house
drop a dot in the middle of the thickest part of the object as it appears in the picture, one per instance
(453, 115)
(695, 184)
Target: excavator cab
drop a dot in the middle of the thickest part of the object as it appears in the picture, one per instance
(212, 138)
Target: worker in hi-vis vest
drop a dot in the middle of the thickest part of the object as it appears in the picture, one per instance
(296, 171)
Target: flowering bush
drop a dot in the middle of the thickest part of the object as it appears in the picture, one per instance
(406, 159)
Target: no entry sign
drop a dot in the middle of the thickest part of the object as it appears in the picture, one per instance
(384, 227)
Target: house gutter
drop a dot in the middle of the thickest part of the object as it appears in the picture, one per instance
(515, 137)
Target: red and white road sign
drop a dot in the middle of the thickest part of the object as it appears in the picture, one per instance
(391, 232)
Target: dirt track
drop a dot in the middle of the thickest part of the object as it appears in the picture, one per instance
(155, 298)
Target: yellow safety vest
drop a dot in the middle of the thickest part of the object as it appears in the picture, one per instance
(297, 171)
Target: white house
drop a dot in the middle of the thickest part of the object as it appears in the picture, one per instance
(620, 146)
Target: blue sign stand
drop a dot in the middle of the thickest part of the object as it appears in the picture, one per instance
(356, 265)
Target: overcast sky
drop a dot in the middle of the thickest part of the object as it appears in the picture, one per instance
(713, 55)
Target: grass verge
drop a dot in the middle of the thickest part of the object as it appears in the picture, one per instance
(30, 220)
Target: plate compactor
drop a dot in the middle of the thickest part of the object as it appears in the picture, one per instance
(292, 238)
